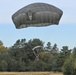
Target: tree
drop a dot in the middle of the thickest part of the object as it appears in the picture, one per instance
(49, 59)
(65, 50)
(38, 66)
(4, 65)
(74, 52)
(74, 58)
(48, 47)
(1, 43)
(1, 46)
(62, 56)
(13, 65)
(54, 49)
(19, 43)
(21, 57)
(35, 42)
(69, 66)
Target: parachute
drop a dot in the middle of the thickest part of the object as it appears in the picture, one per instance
(37, 15)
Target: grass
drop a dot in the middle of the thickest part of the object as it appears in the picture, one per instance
(30, 73)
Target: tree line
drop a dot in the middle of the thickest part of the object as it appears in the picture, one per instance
(21, 57)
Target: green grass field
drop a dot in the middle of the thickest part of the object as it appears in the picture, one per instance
(30, 73)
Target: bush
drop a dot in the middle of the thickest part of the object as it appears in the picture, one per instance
(69, 67)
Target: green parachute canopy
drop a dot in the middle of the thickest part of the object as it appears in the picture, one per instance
(37, 15)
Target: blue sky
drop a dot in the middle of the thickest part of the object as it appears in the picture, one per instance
(62, 34)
